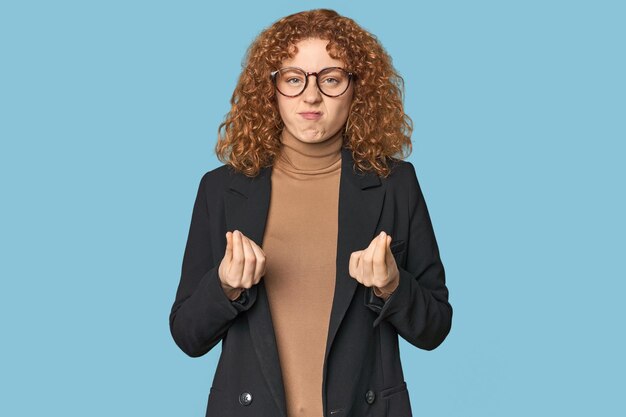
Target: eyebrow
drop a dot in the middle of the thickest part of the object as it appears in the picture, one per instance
(323, 68)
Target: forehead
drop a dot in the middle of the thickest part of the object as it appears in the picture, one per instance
(311, 55)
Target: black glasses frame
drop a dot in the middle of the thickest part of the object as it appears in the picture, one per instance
(351, 75)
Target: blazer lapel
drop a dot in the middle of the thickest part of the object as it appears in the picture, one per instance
(360, 203)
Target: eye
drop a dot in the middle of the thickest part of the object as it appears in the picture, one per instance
(331, 80)
(293, 80)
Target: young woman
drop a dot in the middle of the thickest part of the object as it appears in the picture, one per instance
(311, 249)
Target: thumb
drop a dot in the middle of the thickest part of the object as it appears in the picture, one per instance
(388, 250)
(353, 265)
(229, 245)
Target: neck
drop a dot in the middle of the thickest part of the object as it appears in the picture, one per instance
(310, 156)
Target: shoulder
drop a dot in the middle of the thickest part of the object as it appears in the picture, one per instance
(402, 172)
(403, 183)
(219, 177)
(216, 174)
(225, 177)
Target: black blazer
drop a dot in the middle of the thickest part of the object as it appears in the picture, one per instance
(362, 373)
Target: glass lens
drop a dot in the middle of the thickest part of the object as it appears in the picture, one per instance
(332, 81)
(290, 81)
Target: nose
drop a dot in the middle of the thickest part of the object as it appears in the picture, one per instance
(312, 92)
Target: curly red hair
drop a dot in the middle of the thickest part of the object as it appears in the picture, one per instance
(377, 129)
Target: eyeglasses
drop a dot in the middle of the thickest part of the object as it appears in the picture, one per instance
(292, 81)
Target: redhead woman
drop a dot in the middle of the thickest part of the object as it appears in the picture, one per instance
(311, 250)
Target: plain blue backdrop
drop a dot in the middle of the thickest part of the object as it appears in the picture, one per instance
(108, 119)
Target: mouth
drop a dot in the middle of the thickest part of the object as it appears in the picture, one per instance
(311, 115)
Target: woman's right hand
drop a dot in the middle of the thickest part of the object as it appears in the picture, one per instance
(243, 264)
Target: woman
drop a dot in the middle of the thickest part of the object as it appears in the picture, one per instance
(311, 249)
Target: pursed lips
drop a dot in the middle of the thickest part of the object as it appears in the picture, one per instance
(311, 115)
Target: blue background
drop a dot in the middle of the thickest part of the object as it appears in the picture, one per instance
(108, 118)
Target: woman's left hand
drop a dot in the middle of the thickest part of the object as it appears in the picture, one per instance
(375, 266)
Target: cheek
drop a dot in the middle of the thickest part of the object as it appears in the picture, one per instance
(284, 107)
(280, 104)
(341, 111)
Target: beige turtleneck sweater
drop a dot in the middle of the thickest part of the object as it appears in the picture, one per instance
(300, 244)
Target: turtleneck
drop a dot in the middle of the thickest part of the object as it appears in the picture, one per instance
(309, 158)
(300, 243)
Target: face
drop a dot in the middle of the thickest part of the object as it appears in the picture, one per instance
(312, 57)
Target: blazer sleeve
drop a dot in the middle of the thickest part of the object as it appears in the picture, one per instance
(202, 313)
(418, 308)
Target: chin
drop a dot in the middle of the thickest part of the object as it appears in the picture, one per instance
(307, 138)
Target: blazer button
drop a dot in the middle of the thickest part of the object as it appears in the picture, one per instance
(245, 398)
(370, 396)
